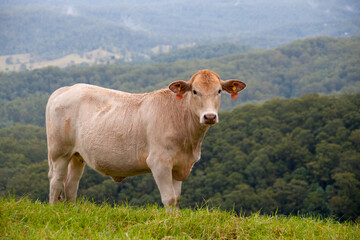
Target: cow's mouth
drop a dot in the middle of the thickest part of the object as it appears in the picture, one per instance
(210, 122)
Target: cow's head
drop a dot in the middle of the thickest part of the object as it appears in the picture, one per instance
(203, 92)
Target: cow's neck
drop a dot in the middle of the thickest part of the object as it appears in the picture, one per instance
(192, 133)
(195, 131)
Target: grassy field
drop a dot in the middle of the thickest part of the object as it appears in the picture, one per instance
(24, 219)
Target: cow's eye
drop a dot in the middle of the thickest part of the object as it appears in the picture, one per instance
(194, 92)
(219, 91)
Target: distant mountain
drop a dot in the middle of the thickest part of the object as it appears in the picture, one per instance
(204, 17)
(50, 34)
(56, 28)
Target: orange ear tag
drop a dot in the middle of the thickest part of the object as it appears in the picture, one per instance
(234, 96)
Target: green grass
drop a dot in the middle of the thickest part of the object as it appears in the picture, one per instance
(24, 219)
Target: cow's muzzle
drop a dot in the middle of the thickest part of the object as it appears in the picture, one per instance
(209, 118)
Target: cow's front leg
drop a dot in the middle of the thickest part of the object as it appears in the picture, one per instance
(162, 172)
(177, 188)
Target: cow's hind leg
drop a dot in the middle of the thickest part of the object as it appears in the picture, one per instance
(57, 175)
(75, 171)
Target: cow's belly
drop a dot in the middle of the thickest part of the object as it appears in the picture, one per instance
(113, 152)
(115, 164)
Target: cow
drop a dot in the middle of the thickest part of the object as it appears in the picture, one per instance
(121, 134)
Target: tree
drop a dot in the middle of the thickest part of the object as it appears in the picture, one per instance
(346, 204)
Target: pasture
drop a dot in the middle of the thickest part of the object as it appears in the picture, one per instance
(24, 219)
(21, 62)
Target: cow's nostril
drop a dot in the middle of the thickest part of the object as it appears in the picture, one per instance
(210, 116)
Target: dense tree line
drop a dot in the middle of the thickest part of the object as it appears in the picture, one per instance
(205, 51)
(290, 156)
(286, 155)
(323, 65)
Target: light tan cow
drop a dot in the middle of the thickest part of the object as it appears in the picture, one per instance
(122, 135)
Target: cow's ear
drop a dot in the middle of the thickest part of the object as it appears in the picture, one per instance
(233, 87)
(179, 88)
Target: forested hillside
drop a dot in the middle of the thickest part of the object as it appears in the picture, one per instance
(298, 155)
(322, 65)
(205, 51)
(285, 155)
